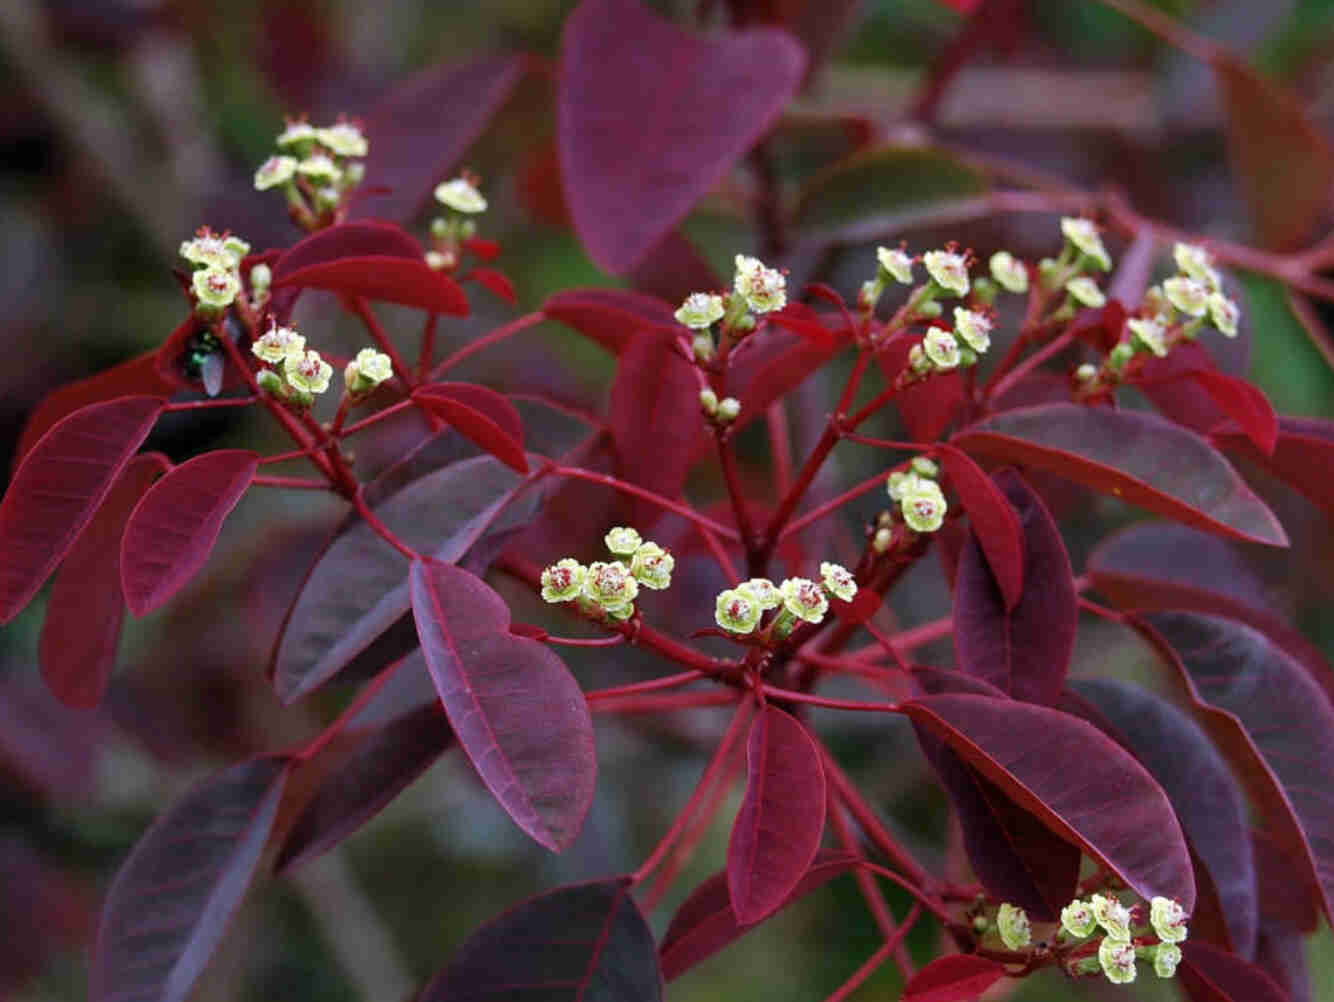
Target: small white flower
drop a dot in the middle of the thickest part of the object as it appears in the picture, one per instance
(623, 541)
(1084, 235)
(1009, 272)
(1117, 957)
(1189, 296)
(652, 566)
(1149, 333)
(343, 139)
(763, 592)
(1224, 313)
(948, 270)
(804, 599)
(460, 195)
(941, 348)
(611, 586)
(735, 611)
(923, 506)
(708, 401)
(216, 287)
(1085, 291)
(1168, 919)
(563, 580)
(320, 169)
(437, 261)
(699, 310)
(917, 360)
(275, 171)
(1013, 926)
(1166, 956)
(1078, 920)
(209, 250)
(838, 581)
(901, 483)
(880, 542)
(1198, 263)
(308, 372)
(1113, 916)
(296, 134)
(897, 263)
(974, 328)
(764, 289)
(729, 408)
(236, 249)
(368, 370)
(279, 344)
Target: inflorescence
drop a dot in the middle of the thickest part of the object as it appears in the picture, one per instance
(610, 587)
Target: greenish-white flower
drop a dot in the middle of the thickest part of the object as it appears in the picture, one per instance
(216, 287)
(1117, 957)
(901, 483)
(460, 195)
(1085, 291)
(563, 580)
(610, 585)
(236, 249)
(1149, 333)
(896, 262)
(974, 328)
(275, 171)
(762, 592)
(925, 467)
(1078, 920)
(1188, 295)
(1198, 263)
(1009, 272)
(736, 612)
(764, 289)
(1086, 373)
(1013, 926)
(838, 581)
(343, 139)
(923, 506)
(308, 372)
(1224, 313)
(279, 344)
(297, 134)
(948, 270)
(1113, 916)
(320, 168)
(652, 566)
(623, 541)
(209, 250)
(368, 370)
(1166, 956)
(804, 599)
(1084, 235)
(729, 409)
(941, 348)
(1168, 919)
(708, 401)
(699, 310)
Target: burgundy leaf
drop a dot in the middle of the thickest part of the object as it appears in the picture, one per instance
(773, 365)
(705, 922)
(1208, 802)
(1303, 456)
(1067, 773)
(172, 530)
(1214, 397)
(1282, 955)
(1138, 457)
(995, 525)
(778, 828)
(83, 615)
(59, 485)
(1209, 974)
(927, 406)
(960, 977)
(365, 238)
(386, 279)
(1274, 724)
(611, 317)
(423, 128)
(584, 943)
(1025, 650)
(517, 711)
(644, 130)
(495, 282)
(173, 898)
(480, 415)
(804, 322)
(673, 269)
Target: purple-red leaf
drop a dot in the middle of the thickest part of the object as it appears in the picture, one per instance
(385, 279)
(611, 317)
(1303, 456)
(172, 530)
(517, 711)
(1026, 650)
(1275, 725)
(84, 614)
(58, 487)
(705, 922)
(481, 415)
(1214, 397)
(1066, 773)
(995, 525)
(773, 365)
(173, 898)
(778, 828)
(585, 943)
(365, 238)
(1209, 974)
(960, 977)
(1138, 457)
(495, 282)
(927, 406)
(803, 321)
(644, 130)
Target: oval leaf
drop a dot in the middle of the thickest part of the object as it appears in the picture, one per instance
(778, 828)
(927, 406)
(709, 100)
(516, 709)
(1024, 651)
(83, 615)
(611, 317)
(482, 416)
(1303, 456)
(172, 530)
(957, 978)
(58, 487)
(1187, 387)
(586, 943)
(995, 525)
(1209, 974)
(1138, 457)
(365, 238)
(172, 900)
(495, 282)
(385, 279)
(1065, 772)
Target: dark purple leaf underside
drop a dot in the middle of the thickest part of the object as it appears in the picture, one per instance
(957, 978)
(1208, 802)
(481, 415)
(1026, 650)
(1303, 456)
(171, 902)
(705, 922)
(1073, 778)
(1208, 974)
(58, 487)
(1282, 955)
(1140, 458)
(86, 607)
(1272, 721)
(778, 827)
(172, 530)
(995, 524)
(586, 943)
(610, 317)
(515, 708)
(645, 130)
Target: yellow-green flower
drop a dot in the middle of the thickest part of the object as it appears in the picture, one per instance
(1113, 916)
(699, 310)
(308, 372)
(764, 289)
(1166, 956)
(368, 370)
(1078, 920)
(1198, 263)
(923, 505)
(896, 262)
(563, 580)
(941, 348)
(297, 135)
(1168, 919)
(1188, 295)
(343, 139)
(1117, 957)
(460, 195)
(611, 586)
(974, 328)
(275, 171)
(1084, 235)
(763, 592)
(216, 287)
(1009, 272)
(652, 566)
(279, 344)
(1085, 291)
(1224, 313)
(623, 541)
(804, 599)
(736, 612)
(948, 270)
(1149, 333)
(1013, 926)
(320, 169)
(838, 581)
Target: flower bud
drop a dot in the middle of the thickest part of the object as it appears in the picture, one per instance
(941, 348)
(652, 566)
(736, 611)
(838, 581)
(973, 328)
(1010, 272)
(763, 592)
(948, 270)
(700, 310)
(764, 289)
(623, 541)
(1085, 291)
(278, 345)
(368, 370)
(901, 482)
(1168, 919)
(563, 580)
(440, 260)
(275, 171)
(1150, 334)
(917, 360)
(881, 540)
(701, 346)
(708, 401)
(929, 310)
(308, 372)
(261, 277)
(804, 599)
(1120, 355)
(1078, 920)
(896, 263)
(1113, 916)
(1196, 262)
(610, 586)
(460, 195)
(1187, 295)
(1086, 373)
(1166, 956)
(440, 228)
(1084, 236)
(353, 174)
(925, 467)
(1013, 926)
(1117, 957)
(729, 408)
(270, 382)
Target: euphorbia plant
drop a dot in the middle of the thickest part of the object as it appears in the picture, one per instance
(1100, 820)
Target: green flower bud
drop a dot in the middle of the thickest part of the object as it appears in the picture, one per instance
(1120, 355)
(708, 401)
(623, 541)
(838, 581)
(901, 482)
(917, 360)
(440, 228)
(652, 566)
(1013, 926)
(563, 580)
(881, 540)
(736, 611)
(261, 277)
(729, 408)
(1086, 373)
(272, 383)
(701, 346)
(925, 467)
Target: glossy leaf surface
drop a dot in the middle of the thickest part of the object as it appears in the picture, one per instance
(1138, 457)
(1024, 650)
(171, 902)
(481, 415)
(586, 943)
(59, 485)
(995, 524)
(1066, 772)
(611, 317)
(957, 978)
(778, 828)
(1209, 974)
(708, 100)
(515, 708)
(172, 530)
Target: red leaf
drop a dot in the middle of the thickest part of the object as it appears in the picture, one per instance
(778, 828)
(1215, 397)
(172, 530)
(644, 130)
(1065, 772)
(705, 922)
(960, 977)
(1303, 456)
(495, 282)
(365, 238)
(1140, 458)
(385, 279)
(485, 250)
(673, 269)
(59, 485)
(772, 365)
(1245, 404)
(995, 524)
(1209, 974)
(611, 317)
(927, 406)
(83, 616)
(481, 415)
(803, 321)
(1026, 650)
(516, 709)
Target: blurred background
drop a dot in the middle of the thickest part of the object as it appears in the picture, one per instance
(124, 126)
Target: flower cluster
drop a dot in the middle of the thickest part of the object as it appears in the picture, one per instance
(919, 496)
(756, 290)
(464, 199)
(1196, 290)
(216, 259)
(740, 609)
(315, 168)
(1083, 252)
(1125, 940)
(299, 374)
(611, 587)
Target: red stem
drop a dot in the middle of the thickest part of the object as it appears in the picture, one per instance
(200, 405)
(666, 702)
(652, 685)
(872, 828)
(382, 530)
(1048, 351)
(820, 511)
(295, 483)
(426, 357)
(685, 511)
(894, 945)
(792, 696)
(585, 641)
(487, 340)
(875, 900)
